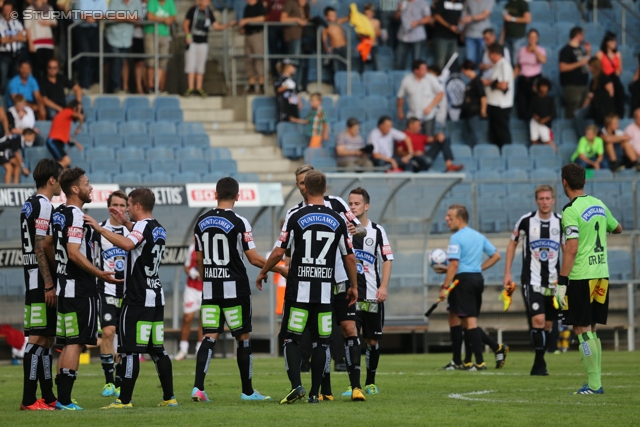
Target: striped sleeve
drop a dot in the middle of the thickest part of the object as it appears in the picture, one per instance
(137, 233)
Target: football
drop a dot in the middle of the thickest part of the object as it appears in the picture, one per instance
(438, 260)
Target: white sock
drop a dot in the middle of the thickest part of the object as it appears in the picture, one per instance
(198, 346)
(184, 346)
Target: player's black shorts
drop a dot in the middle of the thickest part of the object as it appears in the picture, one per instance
(77, 321)
(57, 148)
(587, 302)
(109, 310)
(370, 317)
(39, 319)
(141, 329)
(298, 316)
(235, 312)
(539, 300)
(340, 303)
(466, 299)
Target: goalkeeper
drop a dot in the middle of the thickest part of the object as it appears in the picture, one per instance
(541, 232)
(583, 284)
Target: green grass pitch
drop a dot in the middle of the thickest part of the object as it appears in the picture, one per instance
(412, 392)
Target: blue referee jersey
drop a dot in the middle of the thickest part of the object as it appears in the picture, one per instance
(467, 246)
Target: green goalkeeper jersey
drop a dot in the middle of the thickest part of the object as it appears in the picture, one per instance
(589, 220)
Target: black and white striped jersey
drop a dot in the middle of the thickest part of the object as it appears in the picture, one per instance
(316, 236)
(69, 227)
(223, 236)
(34, 221)
(142, 286)
(341, 207)
(371, 251)
(111, 258)
(542, 240)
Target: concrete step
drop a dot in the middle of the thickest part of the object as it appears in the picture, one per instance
(240, 140)
(230, 127)
(197, 103)
(265, 154)
(208, 115)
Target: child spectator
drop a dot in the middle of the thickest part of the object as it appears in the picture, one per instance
(617, 147)
(20, 116)
(286, 91)
(60, 133)
(351, 149)
(590, 151)
(11, 155)
(254, 14)
(334, 39)
(543, 111)
(474, 106)
(369, 10)
(318, 129)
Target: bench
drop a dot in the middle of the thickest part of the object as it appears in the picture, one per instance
(414, 329)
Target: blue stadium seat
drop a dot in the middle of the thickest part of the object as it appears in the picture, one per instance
(134, 166)
(349, 102)
(541, 15)
(375, 111)
(103, 165)
(196, 140)
(396, 77)
(382, 89)
(167, 141)
(110, 102)
(85, 139)
(461, 151)
(565, 5)
(493, 220)
(89, 114)
(136, 102)
(369, 77)
(130, 153)
(138, 140)
(494, 163)
(194, 153)
(289, 127)
(103, 127)
(226, 166)
(313, 153)
(131, 127)
(169, 115)
(518, 162)
(75, 155)
(86, 101)
(143, 114)
(44, 126)
(602, 174)
(157, 178)
(262, 101)
(524, 189)
(346, 113)
(194, 165)
(187, 177)
(324, 163)
(340, 78)
(127, 178)
(218, 154)
(603, 188)
(107, 140)
(166, 166)
(213, 176)
(110, 114)
(247, 177)
(357, 89)
(469, 163)
(265, 118)
(541, 151)
(166, 102)
(190, 128)
(482, 150)
(159, 153)
(514, 150)
(548, 175)
(161, 128)
(100, 177)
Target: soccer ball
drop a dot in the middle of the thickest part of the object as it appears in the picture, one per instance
(438, 260)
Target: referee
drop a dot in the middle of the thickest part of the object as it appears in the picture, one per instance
(466, 247)
(541, 231)
(583, 284)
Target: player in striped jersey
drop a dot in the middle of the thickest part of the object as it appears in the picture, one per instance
(541, 231)
(373, 257)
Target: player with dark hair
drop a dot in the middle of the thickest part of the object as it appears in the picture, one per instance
(466, 247)
(541, 231)
(40, 289)
(60, 133)
(77, 293)
(373, 257)
(141, 325)
(112, 259)
(583, 284)
(222, 239)
(314, 234)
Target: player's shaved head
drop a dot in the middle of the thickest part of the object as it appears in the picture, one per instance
(316, 183)
(227, 188)
(143, 197)
(574, 175)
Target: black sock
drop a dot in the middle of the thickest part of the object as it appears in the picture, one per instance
(119, 373)
(165, 373)
(245, 365)
(326, 379)
(475, 336)
(107, 367)
(353, 352)
(456, 344)
(538, 338)
(205, 353)
(486, 339)
(31, 368)
(468, 347)
(66, 378)
(319, 359)
(46, 378)
(292, 360)
(372, 357)
(130, 368)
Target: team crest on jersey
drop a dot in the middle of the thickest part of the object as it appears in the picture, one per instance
(27, 209)
(592, 211)
(365, 256)
(159, 233)
(544, 255)
(215, 221)
(360, 268)
(59, 219)
(283, 236)
(368, 241)
(555, 231)
(318, 219)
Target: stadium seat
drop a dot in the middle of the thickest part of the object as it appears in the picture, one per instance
(518, 162)
(482, 150)
(131, 127)
(157, 178)
(44, 126)
(349, 102)
(220, 153)
(89, 114)
(85, 139)
(75, 155)
(604, 188)
(247, 177)
(313, 153)
(228, 167)
(159, 153)
(193, 153)
(130, 153)
(357, 89)
(541, 151)
(494, 163)
(138, 140)
(108, 102)
(213, 176)
(461, 151)
(166, 102)
(110, 114)
(265, 119)
(86, 101)
(100, 177)
(524, 189)
(196, 140)
(107, 140)
(514, 150)
(548, 175)
(262, 101)
(194, 165)
(369, 77)
(293, 145)
(167, 141)
(161, 128)
(169, 115)
(136, 102)
(190, 128)
(143, 114)
(166, 166)
(493, 220)
(127, 178)
(375, 110)
(382, 89)
(187, 177)
(602, 174)
(345, 113)
(103, 127)
(103, 165)
(340, 78)
(324, 163)
(134, 166)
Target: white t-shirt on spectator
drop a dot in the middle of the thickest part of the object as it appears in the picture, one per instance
(633, 131)
(27, 121)
(384, 144)
(502, 72)
(419, 94)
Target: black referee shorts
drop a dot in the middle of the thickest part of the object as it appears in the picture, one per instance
(539, 300)
(587, 302)
(466, 299)
(297, 317)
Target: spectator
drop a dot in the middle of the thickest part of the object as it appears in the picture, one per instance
(20, 116)
(599, 102)
(436, 144)
(489, 37)
(286, 91)
(446, 33)
(475, 17)
(499, 89)
(296, 12)
(351, 150)
(423, 93)
(369, 10)
(611, 61)
(137, 47)
(633, 131)
(516, 16)
(318, 129)
(574, 73)
(334, 39)
(254, 13)
(276, 34)
(619, 151)
(40, 35)
(12, 45)
(27, 86)
(413, 16)
(442, 109)
(11, 156)
(196, 28)
(119, 38)
(542, 112)
(62, 31)
(529, 69)
(634, 88)
(60, 133)
(590, 151)
(389, 22)
(163, 12)
(4, 122)
(382, 138)
(474, 106)
(52, 89)
(86, 35)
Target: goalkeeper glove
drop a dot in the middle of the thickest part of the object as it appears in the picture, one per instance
(559, 299)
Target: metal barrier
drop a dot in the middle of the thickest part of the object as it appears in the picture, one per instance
(625, 9)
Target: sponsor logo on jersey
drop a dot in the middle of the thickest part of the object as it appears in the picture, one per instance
(318, 219)
(248, 237)
(42, 224)
(544, 255)
(592, 211)
(350, 216)
(27, 209)
(349, 244)
(453, 249)
(365, 256)
(75, 232)
(545, 244)
(386, 250)
(215, 221)
(59, 219)
(284, 235)
(138, 236)
(159, 233)
(115, 258)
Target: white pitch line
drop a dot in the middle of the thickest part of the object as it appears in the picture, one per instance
(467, 397)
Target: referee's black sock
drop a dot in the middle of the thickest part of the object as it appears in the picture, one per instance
(468, 347)
(205, 353)
(165, 373)
(538, 338)
(31, 370)
(245, 365)
(319, 359)
(456, 344)
(44, 374)
(475, 336)
(131, 369)
(353, 353)
(486, 339)
(66, 378)
(107, 367)
(292, 361)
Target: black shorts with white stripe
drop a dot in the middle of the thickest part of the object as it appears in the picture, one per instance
(77, 321)
(539, 300)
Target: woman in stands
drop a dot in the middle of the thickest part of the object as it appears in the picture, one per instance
(530, 59)
(611, 62)
(286, 91)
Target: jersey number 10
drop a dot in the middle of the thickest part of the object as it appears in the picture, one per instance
(220, 245)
